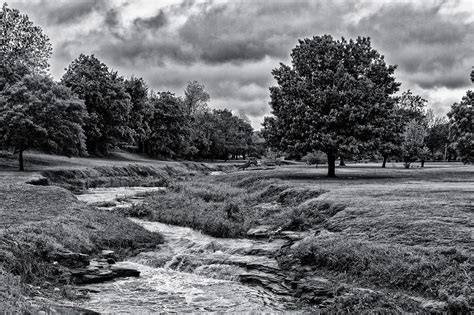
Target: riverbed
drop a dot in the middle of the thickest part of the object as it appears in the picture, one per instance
(192, 272)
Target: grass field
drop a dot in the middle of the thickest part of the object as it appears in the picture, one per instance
(397, 231)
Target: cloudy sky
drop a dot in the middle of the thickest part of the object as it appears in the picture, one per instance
(232, 46)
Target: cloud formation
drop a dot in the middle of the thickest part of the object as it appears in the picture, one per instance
(232, 46)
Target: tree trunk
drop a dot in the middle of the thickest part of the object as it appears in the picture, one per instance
(384, 162)
(20, 159)
(331, 164)
(422, 163)
(341, 163)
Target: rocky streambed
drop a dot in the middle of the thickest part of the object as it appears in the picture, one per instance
(190, 272)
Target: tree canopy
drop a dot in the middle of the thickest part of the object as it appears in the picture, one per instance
(107, 102)
(37, 113)
(334, 97)
(461, 119)
(24, 43)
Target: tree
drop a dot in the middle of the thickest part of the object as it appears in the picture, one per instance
(141, 110)
(437, 139)
(37, 113)
(411, 106)
(23, 43)
(169, 135)
(407, 107)
(107, 102)
(461, 120)
(333, 98)
(413, 146)
(195, 97)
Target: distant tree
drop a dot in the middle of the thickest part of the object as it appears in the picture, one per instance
(407, 107)
(272, 134)
(413, 146)
(390, 139)
(461, 120)
(141, 110)
(107, 102)
(198, 113)
(412, 106)
(258, 145)
(23, 43)
(437, 139)
(169, 133)
(333, 98)
(195, 97)
(37, 113)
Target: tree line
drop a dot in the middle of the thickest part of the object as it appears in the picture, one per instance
(338, 98)
(92, 109)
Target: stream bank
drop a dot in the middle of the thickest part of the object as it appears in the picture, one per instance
(193, 272)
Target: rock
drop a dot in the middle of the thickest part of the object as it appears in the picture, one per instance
(260, 231)
(70, 259)
(108, 254)
(100, 271)
(292, 235)
(271, 282)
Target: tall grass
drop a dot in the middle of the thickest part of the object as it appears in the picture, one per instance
(230, 210)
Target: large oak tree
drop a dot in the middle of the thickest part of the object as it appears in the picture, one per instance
(334, 97)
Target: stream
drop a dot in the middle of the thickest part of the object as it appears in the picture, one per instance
(192, 272)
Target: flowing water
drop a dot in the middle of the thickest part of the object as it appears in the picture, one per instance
(193, 272)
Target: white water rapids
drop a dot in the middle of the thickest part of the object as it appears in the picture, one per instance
(190, 272)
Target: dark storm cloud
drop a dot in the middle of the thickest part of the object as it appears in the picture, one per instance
(232, 46)
(112, 18)
(61, 12)
(429, 47)
(153, 22)
(238, 32)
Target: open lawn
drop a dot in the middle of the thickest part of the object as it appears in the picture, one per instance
(396, 231)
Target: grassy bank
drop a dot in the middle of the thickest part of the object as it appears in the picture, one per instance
(224, 210)
(399, 233)
(37, 222)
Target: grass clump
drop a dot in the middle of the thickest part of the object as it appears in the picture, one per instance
(224, 209)
(431, 273)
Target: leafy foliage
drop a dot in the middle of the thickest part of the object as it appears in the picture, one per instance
(24, 43)
(169, 126)
(334, 97)
(141, 110)
(413, 146)
(106, 99)
(37, 113)
(461, 118)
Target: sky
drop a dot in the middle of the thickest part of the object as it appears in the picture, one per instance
(232, 46)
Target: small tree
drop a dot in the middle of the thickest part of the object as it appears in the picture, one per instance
(37, 113)
(413, 146)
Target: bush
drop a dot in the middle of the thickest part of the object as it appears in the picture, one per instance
(315, 158)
